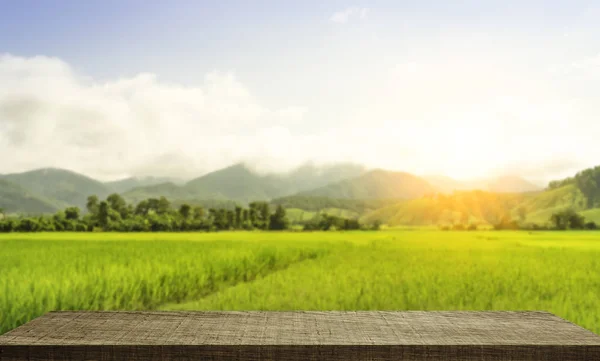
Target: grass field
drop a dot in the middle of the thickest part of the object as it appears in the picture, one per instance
(387, 270)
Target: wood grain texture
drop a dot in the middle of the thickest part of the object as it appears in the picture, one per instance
(363, 335)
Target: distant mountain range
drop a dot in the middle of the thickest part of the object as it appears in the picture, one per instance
(402, 195)
(482, 207)
(124, 185)
(59, 187)
(14, 198)
(239, 183)
(375, 184)
(503, 184)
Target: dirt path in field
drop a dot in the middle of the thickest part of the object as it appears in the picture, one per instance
(215, 288)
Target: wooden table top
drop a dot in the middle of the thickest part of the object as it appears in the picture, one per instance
(255, 335)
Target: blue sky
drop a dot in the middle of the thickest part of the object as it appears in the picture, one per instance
(460, 88)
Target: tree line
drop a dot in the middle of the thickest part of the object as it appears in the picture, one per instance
(159, 215)
(567, 219)
(310, 203)
(587, 181)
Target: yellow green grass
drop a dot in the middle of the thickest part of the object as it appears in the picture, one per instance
(387, 270)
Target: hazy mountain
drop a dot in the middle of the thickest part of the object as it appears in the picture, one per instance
(60, 186)
(541, 205)
(465, 207)
(447, 184)
(236, 182)
(376, 184)
(16, 199)
(239, 183)
(169, 190)
(511, 184)
(45, 190)
(502, 184)
(485, 207)
(127, 184)
(310, 176)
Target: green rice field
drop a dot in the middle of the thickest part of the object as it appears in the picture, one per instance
(557, 272)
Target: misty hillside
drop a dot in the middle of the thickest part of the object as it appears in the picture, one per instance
(239, 183)
(127, 184)
(168, 190)
(541, 206)
(481, 207)
(396, 198)
(464, 207)
(60, 186)
(310, 176)
(511, 184)
(236, 183)
(502, 184)
(376, 184)
(16, 199)
(447, 184)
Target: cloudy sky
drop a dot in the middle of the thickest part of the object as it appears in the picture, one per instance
(115, 88)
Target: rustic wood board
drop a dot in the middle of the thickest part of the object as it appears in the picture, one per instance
(362, 335)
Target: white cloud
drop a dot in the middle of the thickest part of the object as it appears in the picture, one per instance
(587, 67)
(348, 14)
(52, 116)
(464, 116)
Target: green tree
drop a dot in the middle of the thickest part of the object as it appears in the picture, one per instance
(567, 219)
(185, 211)
(279, 220)
(28, 225)
(522, 213)
(92, 205)
(265, 214)
(198, 213)
(588, 181)
(260, 214)
(60, 222)
(506, 222)
(376, 226)
(103, 214)
(142, 208)
(8, 225)
(163, 205)
(117, 203)
(230, 219)
(238, 217)
(72, 213)
(220, 218)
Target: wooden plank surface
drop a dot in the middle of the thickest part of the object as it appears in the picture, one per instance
(363, 335)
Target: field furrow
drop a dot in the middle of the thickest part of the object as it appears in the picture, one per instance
(37, 276)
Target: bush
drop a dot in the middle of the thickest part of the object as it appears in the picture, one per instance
(506, 223)
(458, 227)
